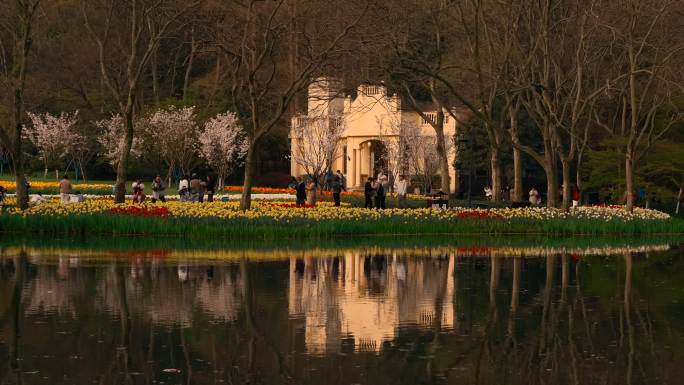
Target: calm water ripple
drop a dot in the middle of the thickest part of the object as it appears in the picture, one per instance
(366, 315)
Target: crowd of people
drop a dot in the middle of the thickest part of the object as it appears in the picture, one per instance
(190, 189)
(535, 197)
(306, 189)
(196, 189)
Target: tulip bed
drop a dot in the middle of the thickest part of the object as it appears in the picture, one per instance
(53, 187)
(269, 219)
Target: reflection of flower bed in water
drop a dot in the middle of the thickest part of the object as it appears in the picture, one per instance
(226, 219)
(200, 254)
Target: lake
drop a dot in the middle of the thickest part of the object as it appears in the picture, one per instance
(374, 311)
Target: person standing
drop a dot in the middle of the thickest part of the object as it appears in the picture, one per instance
(183, 189)
(575, 196)
(343, 180)
(534, 196)
(337, 189)
(202, 190)
(369, 193)
(195, 187)
(293, 184)
(384, 183)
(379, 193)
(488, 193)
(158, 190)
(311, 193)
(64, 189)
(211, 188)
(138, 192)
(402, 191)
(329, 178)
(301, 192)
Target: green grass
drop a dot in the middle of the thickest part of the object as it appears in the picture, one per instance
(267, 229)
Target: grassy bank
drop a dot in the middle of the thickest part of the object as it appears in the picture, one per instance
(270, 228)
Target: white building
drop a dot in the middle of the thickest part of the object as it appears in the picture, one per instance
(366, 129)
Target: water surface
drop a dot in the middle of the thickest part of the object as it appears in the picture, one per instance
(413, 313)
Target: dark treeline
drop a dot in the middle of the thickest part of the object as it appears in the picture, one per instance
(581, 93)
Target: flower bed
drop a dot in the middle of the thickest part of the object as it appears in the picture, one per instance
(281, 218)
(53, 187)
(140, 211)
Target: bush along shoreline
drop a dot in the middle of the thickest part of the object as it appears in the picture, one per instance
(273, 220)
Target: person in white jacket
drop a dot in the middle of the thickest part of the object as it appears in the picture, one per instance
(402, 191)
(183, 189)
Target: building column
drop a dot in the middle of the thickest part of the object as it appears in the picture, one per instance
(354, 168)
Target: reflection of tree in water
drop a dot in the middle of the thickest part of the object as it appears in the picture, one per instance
(175, 294)
(353, 318)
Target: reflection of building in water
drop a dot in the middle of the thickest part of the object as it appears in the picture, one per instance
(368, 298)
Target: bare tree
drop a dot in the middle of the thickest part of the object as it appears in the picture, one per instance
(462, 60)
(317, 143)
(149, 22)
(260, 93)
(647, 52)
(15, 46)
(557, 85)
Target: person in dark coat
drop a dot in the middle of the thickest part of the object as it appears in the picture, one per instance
(210, 188)
(369, 193)
(301, 192)
(337, 189)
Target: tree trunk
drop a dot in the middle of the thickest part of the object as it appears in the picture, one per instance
(551, 182)
(45, 172)
(219, 182)
(169, 175)
(517, 158)
(21, 193)
(155, 77)
(495, 167)
(246, 199)
(629, 183)
(83, 174)
(517, 176)
(566, 184)
(188, 69)
(120, 194)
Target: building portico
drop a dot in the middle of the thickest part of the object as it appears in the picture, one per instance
(369, 130)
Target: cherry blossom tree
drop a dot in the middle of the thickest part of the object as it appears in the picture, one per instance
(54, 137)
(112, 140)
(316, 143)
(172, 134)
(222, 144)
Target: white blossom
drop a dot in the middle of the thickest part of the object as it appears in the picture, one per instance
(112, 140)
(172, 134)
(53, 136)
(222, 143)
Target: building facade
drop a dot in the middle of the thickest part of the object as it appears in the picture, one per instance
(366, 131)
